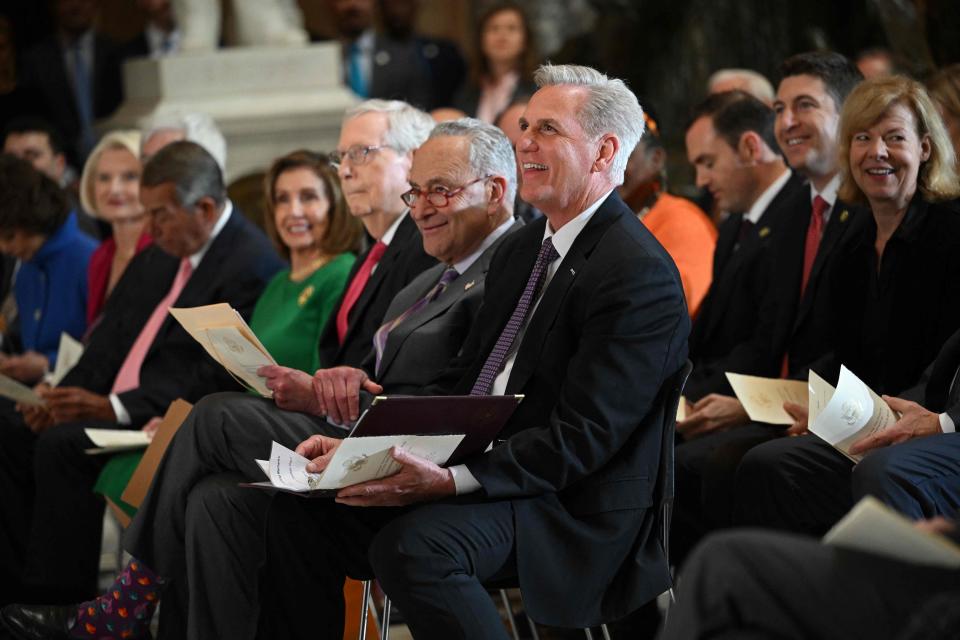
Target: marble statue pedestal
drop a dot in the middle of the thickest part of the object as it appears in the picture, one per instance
(267, 101)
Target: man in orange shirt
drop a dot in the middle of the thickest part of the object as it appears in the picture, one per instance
(683, 229)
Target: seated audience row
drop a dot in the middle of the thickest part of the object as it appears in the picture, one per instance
(461, 199)
(840, 205)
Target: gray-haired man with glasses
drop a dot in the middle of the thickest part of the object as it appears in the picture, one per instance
(463, 183)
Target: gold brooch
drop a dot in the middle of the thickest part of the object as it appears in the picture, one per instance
(764, 232)
(305, 295)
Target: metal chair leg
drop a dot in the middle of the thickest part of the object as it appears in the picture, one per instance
(588, 633)
(364, 611)
(532, 626)
(505, 599)
(385, 623)
(605, 632)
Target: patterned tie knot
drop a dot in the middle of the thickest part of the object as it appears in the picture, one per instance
(449, 275)
(548, 253)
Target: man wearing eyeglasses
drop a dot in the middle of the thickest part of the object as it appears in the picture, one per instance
(463, 183)
(373, 157)
(584, 315)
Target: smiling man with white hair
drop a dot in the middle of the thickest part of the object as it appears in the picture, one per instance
(584, 315)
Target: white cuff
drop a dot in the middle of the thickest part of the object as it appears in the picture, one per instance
(122, 416)
(464, 480)
(946, 424)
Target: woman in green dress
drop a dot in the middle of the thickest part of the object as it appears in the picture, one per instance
(307, 218)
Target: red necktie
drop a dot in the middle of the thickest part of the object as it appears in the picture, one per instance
(129, 375)
(814, 233)
(356, 287)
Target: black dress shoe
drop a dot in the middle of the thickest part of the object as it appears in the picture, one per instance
(38, 622)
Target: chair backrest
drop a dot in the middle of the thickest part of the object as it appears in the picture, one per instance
(663, 489)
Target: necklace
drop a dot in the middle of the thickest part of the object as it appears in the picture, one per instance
(305, 271)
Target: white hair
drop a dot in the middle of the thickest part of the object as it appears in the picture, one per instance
(610, 107)
(491, 153)
(196, 127)
(407, 126)
(747, 80)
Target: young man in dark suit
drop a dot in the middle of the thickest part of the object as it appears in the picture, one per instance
(138, 359)
(584, 315)
(731, 144)
(793, 331)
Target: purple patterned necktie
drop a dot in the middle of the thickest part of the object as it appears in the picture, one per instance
(501, 350)
(380, 337)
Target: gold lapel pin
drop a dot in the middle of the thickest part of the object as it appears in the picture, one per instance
(469, 285)
(844, 215)
(764, 232)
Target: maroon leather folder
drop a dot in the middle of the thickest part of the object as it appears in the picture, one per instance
(480, 418)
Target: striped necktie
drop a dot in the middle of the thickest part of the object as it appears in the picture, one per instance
(380, 337)
(502, 349)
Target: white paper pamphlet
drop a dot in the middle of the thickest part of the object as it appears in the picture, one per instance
(19, 392)
(356, 460)
(873, 527)
(68, 355)
(112, 440)
(229, 340)
(763, 398)
(852, 413)
(820, 393)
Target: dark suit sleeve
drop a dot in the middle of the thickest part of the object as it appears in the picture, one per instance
(632, 328)
(749, 356)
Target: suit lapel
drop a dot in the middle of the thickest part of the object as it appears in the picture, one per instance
(840, 221)
(727, 239)
(473, 276)
(545, 314)
(400, 304)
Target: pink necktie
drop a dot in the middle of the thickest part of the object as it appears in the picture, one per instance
(129, 375)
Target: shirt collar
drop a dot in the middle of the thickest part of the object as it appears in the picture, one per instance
(217, 228)
(565, 237)
(365, 41)
(392, 229)
(829, 192)
(760, 204)
(466, 263)
(829, 195)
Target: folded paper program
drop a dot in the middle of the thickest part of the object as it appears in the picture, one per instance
(229, 340)
(356, 460)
